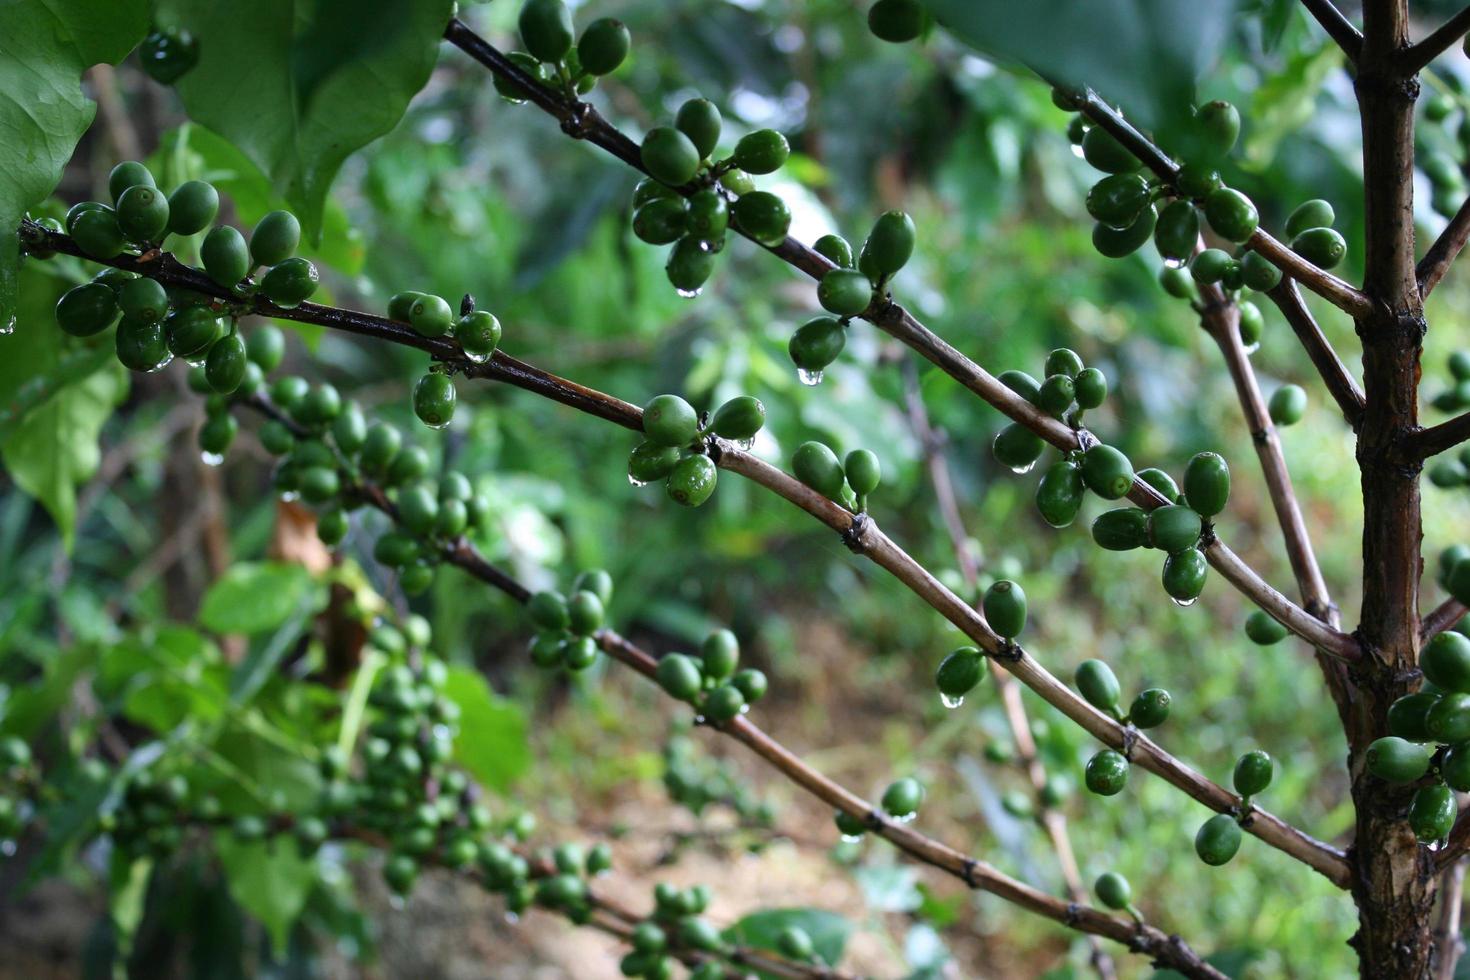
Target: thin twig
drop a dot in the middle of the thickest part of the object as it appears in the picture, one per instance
(1418, 56)
(1052, 819)
(1338, 27)
(1446, 248)
(1438, 438)
(1441, 618)
(1339, 380)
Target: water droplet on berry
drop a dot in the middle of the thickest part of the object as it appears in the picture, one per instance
(8, 327)
(907, 817)
(1252, 348)
(474, 358)
(1175, 263)
(1186, 603)
(951, 702)
(634, 481)
(160, 365)
(689, 293)
(809, 378)
(745, 444)
(397, 903)
(290, 495)
(7, 848)
(211, 459)
(438, 425)
(512, 918)
(852, 838)
(1023, 470)
(1077, 151)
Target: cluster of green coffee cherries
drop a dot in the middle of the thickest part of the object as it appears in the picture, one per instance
(1454, 471)
(477, 332)
(1106, 772)
(690, 199)
(1004, 606)
(1174, 528)
(155, 324)
(714, 682)
(567, 626)
(697, 782)
(848, 481)
(849, 290)
(1441, 144)
(1428, 744)
(556, 58)
(677, 922)
(901, 801)
(1309, 227)
(676, 447)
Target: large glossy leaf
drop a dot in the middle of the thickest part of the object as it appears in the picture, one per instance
(492, 740)
(299, 85)
(45, 45)
(1145, 55)
(270, 880)
(255, 596)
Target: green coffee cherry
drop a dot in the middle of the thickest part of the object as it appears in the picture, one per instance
(381, 447)
(958, 674)
(1107, 472)
(903, 797)
(1218, 840)
(1106, 773)
(140, 345)
(1218, 126)
(662, 221)
(1063, 361)
(723, 703)
(430, 315)
(1097, 683)
(603, 46)
(318, 484)
(1454, 769)
(98, 234)
(418, 508)
(1017, 447)
(1231, 214)
(891, 242)
(761, 152)
(1258, 272)
(1263, 629)
(1160, 481)
(690, 264)
(1056, 395)
(1211, 265)
(1090, 388)
(1432, 813)
(1445, 661)
(1112, 890)
(546, 29)
(1316, 213)
(692, 480)
(433, 399)
(1114, 243)
(751, 683)
(76, 211)
(670, 421)
(669, 156)
(1323, 247)
(1449, 720)
(287, 392)
(739, 419)
(141, 299)
(1173, 528)
(1116, 201)
(1059, 495)
(763, 216)
(191, 207)
(225, 256)
(1121, 530)
(1177, 231)
(478, 334)
(1207, 484)
(548, 610)
(412, 463)
(87, 309)
(845, 292)
(166, 56)
(217, 433)
(1251, 324)
(863, 472)
(708, 215)
(817, 466)
(1184, 575)
(793, 942)
(266, 347)
(142, 213)
(224, 367)
(1253, 772)
(275, 238)
(128, 174)
(1288, 404)
(1103, 151)
(1396, 760)
(679, 675)
(650, 461)
(1150, 709)
(1004, 605)
(290, 283)
(579, 653)
(1408, 716)
(896, 21)
(699, 119)
(720, 655)
(835, 249)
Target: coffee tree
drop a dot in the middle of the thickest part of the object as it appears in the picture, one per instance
(339, 682)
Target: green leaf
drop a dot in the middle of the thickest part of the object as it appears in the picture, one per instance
(828, 930)
(159, 679)
(492, 739)
(298, 85)
(270, 880)
(253, 597)
(263, 657)
(44, 48)
(1144, 55)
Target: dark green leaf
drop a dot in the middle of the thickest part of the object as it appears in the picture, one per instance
(828, 930)
(269, 879)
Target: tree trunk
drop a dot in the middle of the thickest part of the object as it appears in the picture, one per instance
(1393, 884)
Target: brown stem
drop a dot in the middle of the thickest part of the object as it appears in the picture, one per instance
(1441, 618)
(1449, 944)
(1339, 381)
(1444, 251)
(1338, 27)
(1434, 440)
(1053, 820)
(1418, 56)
